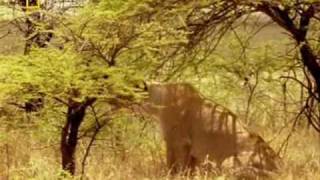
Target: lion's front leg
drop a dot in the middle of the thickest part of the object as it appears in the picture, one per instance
(179, 158)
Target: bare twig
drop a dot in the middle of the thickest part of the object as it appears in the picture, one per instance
(98, 127)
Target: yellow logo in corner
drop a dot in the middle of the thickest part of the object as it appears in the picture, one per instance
(31, 5)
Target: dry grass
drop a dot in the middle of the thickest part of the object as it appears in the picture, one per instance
(12, 39)
(26, 157)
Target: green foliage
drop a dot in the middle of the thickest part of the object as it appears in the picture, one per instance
(57, 73)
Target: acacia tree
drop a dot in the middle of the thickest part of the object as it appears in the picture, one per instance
(208, 21)
(105, 53)
(64, 80)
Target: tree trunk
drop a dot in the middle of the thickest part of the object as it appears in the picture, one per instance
(69, 134)
(310, 61)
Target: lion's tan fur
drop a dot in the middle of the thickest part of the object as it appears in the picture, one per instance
(196, 130)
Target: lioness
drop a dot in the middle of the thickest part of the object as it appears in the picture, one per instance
(197, 130)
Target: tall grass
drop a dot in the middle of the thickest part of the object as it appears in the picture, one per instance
(137, 155)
